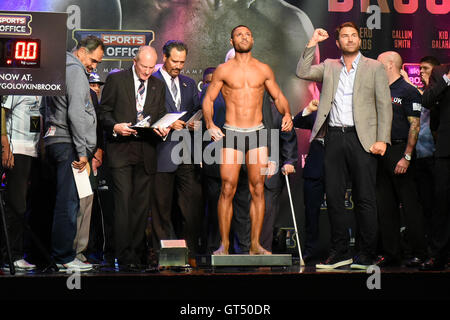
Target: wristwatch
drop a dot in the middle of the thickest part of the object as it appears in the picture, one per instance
(407, 157)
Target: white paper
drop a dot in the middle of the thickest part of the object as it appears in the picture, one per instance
(196, 117)
(168, 119)
(82, 182)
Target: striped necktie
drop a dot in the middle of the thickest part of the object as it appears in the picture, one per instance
(141, 89)
(174, 89)
(140, 105)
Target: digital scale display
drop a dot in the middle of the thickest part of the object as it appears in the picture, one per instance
(20, 53)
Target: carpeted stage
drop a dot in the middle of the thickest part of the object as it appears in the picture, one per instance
(281, 288)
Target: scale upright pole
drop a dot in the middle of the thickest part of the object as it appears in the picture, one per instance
(302, 263)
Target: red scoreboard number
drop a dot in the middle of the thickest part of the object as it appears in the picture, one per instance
(19, 53)
(26, 50)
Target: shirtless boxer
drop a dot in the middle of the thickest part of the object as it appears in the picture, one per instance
(243, 81)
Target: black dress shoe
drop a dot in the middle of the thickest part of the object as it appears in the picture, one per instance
(131, 267)
(432, 264)
(413, 262)
(361, 262)
(384, 261)
(335, 261)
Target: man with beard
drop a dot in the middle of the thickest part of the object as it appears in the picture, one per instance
(177, 180)
(355, 116)
(242, 81)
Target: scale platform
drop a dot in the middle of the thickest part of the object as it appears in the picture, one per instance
(246, 260)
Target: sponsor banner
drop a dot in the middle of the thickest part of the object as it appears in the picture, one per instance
(15, 24)
(119, 44)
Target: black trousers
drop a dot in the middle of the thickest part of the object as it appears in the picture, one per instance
(184, 185)
(346, 160)
(394, 190)
(131, 189)
(425, 182)
(272, 202)
(440, 240)
(17, 180)
(313, 191)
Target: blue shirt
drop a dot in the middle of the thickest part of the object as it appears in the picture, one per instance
(341, 113)
(425, 143)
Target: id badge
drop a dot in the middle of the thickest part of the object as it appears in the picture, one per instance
(35, 124)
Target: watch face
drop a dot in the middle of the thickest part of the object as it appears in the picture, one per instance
(408, 157)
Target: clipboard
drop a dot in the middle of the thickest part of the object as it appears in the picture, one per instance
(168, 119)
(196, 117)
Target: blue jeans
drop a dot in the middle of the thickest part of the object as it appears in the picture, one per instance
(67, 204)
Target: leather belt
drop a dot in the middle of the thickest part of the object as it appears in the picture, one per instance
(342, 129)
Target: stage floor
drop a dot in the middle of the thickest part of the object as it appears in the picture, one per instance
(276, 286)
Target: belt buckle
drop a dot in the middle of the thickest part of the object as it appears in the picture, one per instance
(343, 129)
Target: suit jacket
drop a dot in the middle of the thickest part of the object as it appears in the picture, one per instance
(372, 108)
(314, 167)
(100, 138)
(437, 95)
(190, 102)
(287, 150)
(119, 105)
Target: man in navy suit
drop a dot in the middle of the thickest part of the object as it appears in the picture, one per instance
(175, 180)
(129, 95)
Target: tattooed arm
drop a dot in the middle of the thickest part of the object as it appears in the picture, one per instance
(414, 127)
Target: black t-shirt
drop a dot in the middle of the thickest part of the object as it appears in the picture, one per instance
(406, 102)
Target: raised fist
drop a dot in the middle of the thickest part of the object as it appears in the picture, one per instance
(320, 35)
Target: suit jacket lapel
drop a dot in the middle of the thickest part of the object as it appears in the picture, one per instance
(336, 74)
(169, 100)
(183, 92)
(150, 95)
(358, 76)
(129, 87)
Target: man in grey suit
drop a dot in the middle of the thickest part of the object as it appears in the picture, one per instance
(355, 117)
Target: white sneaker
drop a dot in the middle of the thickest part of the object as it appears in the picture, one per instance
(24, 265)
(75, 265)
(20, 265)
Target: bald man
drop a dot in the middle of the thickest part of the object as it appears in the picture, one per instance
(395, 183)
(129, 96)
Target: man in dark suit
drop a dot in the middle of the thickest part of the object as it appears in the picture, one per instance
(437, 95)
(283, 155)
(127, 97)
(313, 180)
(355, 112)
(174, 178)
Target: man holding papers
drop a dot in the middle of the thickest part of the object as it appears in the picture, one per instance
(128, 97)
(70, 140)
(172, 177)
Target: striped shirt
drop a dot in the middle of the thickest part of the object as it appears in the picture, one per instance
(19, 121)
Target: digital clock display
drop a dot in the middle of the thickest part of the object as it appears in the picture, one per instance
(20, 53)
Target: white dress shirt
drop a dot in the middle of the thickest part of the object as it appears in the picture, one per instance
(341, 114)
(168, 79)
(140, 102)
